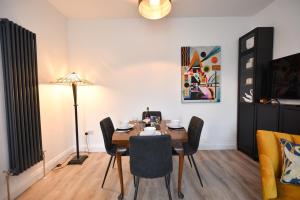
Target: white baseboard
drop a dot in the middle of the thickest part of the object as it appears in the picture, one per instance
(217, 146)
(92, 148)
(22, 182)
(99, 148)
(59, 158)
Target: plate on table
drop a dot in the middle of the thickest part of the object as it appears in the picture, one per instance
(174, 127)
(144, 133)
(122, 131)
(130, 127)
(147, 121)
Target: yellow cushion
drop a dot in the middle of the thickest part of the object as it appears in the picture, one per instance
(287, 191)
(270, 158)
(268, 180)
(291, 163)
(279, 148)
(269, 145)
(296, 139)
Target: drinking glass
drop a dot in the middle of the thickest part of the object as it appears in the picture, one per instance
(140, 126)
(157, 120)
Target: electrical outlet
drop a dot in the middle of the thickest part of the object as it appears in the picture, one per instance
(90, 132)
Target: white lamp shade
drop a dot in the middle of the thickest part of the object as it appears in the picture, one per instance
(154, 9)
(72, 78)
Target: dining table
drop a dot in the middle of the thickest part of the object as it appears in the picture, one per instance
(178, 137)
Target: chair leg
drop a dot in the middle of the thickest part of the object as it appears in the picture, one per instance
(167, 180)
(190, 161)
(195, 166)
(136, 185)
(106, 171)
(134, 181)
(114, 161)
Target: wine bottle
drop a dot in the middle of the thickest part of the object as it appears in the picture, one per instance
(147, 116)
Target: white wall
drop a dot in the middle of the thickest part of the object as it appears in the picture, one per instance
(136, 63)
(56, 117)
(285, 17)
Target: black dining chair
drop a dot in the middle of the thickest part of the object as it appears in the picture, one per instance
(191, 147)
(152, 113)
(107, 128)
(150, 157)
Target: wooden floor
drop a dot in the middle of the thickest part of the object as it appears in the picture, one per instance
(226, 175)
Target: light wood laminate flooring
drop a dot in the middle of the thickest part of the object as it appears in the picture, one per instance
(228, 175)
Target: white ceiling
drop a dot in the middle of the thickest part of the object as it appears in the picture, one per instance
(89, 9)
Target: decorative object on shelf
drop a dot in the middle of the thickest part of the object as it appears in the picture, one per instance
(249, 81)
(154, 9)
(74, 80)
(248, 98)
(249, 63)
(250, 43)
(264, 101)
(201, 74)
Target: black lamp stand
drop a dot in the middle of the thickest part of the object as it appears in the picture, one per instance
(78, 159)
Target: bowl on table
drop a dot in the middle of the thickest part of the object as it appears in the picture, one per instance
(175, 123)
(150, 130)
(125, 125)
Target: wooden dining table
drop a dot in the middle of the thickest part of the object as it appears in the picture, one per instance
(178, 136)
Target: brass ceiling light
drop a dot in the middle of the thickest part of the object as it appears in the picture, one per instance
(154, 9)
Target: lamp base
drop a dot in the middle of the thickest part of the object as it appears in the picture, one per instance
(77, 161)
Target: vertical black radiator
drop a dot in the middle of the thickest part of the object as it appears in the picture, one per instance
(20, 75)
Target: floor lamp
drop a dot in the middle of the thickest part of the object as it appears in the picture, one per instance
(74, 80)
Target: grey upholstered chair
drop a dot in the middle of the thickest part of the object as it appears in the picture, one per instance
(150, 157)
(191, 147)
(152, 113)
(107, 128)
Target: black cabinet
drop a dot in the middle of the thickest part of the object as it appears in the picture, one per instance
(246, 128)
(267, 116)
(271, 117)
(281, 118)
(255, 55)
(289, 120)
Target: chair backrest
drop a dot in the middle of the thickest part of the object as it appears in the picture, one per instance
(107, 128)
(150, 156)
(194, 132)
(152, 113)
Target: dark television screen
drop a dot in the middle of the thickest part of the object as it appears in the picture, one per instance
(286, 77)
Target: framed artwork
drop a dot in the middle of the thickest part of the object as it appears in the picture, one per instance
(201, 74)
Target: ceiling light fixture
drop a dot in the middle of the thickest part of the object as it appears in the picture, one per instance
(154, 9)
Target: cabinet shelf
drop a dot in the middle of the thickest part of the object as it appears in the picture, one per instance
(247, 51)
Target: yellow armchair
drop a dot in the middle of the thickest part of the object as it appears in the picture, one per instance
(270, 162)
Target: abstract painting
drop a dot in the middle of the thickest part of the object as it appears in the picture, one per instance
(200, 74)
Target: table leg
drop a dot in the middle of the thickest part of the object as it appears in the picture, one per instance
(119, 163)
(180, 171)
